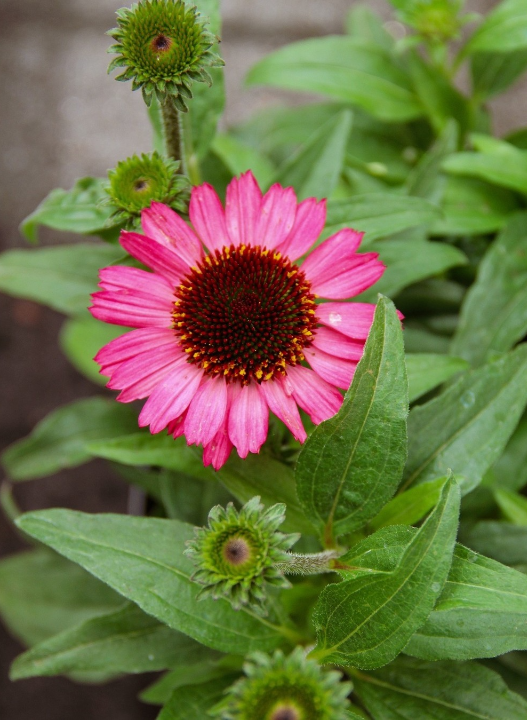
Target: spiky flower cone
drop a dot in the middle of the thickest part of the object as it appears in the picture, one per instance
(163, 46)
(235, 556)
(138, 181)
(285, 688)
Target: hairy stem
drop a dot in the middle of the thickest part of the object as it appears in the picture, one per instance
(313, 564)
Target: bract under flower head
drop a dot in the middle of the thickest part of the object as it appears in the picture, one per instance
(138, 181)
(285, 688)
(164, 47)
(227, 324)
(236, 555)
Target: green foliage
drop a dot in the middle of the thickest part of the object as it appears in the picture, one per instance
(503, 31)
(81, 338)
(426, 371)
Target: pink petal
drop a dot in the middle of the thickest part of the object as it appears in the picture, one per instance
(248, 420)
(208, 217)
(338, 250)
(159, 258)
(349, 279)
(207, 411)
(140, 375)
(351, 319)
(284, 407)
(176, 427)
(276, 217)
(309, 222)
(218, 450)
(131, 309)
(166, 227)
(121, 277)
(314, 395)
(129, 345)
(171, 397)
(335, 343)
(334, 370)
(242, 208)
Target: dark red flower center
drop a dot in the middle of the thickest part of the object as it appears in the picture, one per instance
(245, 313)
(161, 43)
(285, 712)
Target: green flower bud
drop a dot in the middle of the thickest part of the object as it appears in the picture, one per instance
(435, 20)
(138, 181)
(164, 47)
(236, 555)
(280, 688)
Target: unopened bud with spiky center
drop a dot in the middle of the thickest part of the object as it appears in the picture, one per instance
(285, 688)
(138, 181)
(236, 555)
(163, 47)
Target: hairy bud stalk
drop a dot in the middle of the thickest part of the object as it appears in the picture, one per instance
(312, 564)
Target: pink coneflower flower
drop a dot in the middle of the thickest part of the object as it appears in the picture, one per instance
(227, 322)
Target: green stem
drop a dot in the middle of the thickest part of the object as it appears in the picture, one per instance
(311, 564)
(178, 140)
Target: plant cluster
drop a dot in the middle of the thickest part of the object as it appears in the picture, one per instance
(260, 269)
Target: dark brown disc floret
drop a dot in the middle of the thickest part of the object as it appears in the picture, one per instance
(245, 313)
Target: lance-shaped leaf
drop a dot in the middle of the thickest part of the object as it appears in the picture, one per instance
(60, 440)
(195, 673)
(192, 702)
(502, 541)
(426, 371)
(366, 621)
(61, 277)
(512, 505)
(379, 215)
(351, 464)
(493, 72)
(466, 428)
(494, 313)
(417, 690)
(314, 170)
(342, 68)
(504, 29)
(81, 338)
(482, 612)
(409, 507)
(505, 166)
(142, 558)
(124, 641)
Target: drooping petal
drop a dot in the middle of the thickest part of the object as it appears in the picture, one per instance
(159, 258)
(176, 427)
(140, 375)
(350, 279)
(165, 226)
(217, 452)
(334, 370)
(207, 411)
(276, 217)
(314, 395)
(129, 345)
(208, 217)
(284, 407)
(337, 250)
(335, 343)
(171, 397)
(248, 420)
(242, 207)
(351, 319)
(309, 222)
(131, 309)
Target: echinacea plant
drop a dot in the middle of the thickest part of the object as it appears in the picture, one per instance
(315, 321)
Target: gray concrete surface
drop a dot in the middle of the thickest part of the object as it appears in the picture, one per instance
(62, 117)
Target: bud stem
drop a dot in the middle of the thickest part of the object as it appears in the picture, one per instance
(312, 564)
(178, 140)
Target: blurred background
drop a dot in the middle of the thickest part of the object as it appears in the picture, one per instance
(62, 117)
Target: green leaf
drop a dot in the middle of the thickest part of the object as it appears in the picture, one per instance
(61, 277)
(366, 621)
(494, 312)
(474, 207)
(192, 702)
(81, 338)
(505, 166)
(492, 73)
(502, 541)
(504, 29)
(408, 262)
(314, 170)
(426, 179)
(142, 558)
(124, 641)
(467, 427)
(482, 612)
(60, 440)
(512, 505)
(342, 68)
(42, 594)
(187, 674)
(363, 23)
(426, 371)
(351, 464)
(77, 210)
(238, 158)
(409, 507)
(511, 468)
(417, 690)
(379, 215)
